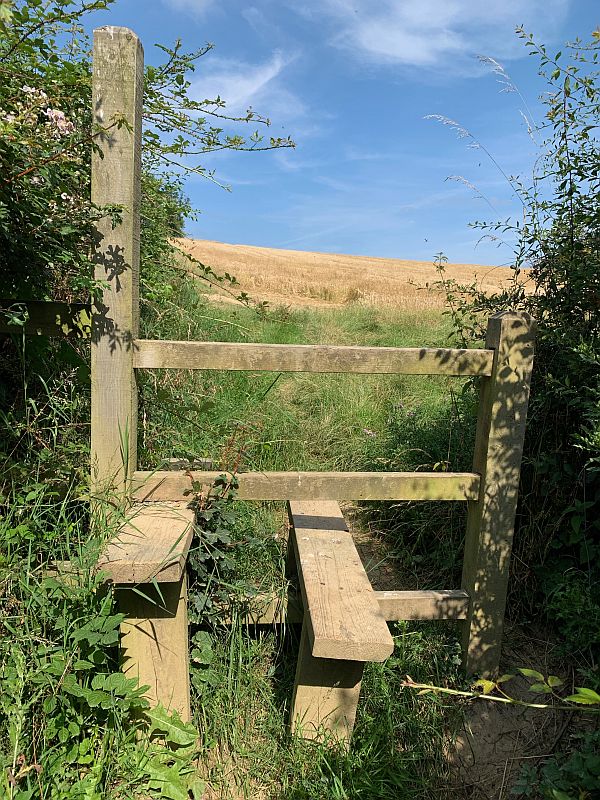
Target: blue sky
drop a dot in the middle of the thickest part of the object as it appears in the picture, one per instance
(352, 82)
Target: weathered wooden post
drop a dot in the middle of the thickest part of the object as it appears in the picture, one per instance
(117, 89)
(154, 635)
(497, 458)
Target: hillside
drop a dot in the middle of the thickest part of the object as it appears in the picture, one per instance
(297, 278)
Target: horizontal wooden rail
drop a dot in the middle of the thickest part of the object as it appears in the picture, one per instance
(149, 354)
(177, 486)
(46, 318)
(278, 609)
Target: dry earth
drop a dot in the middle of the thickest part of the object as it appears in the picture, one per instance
(297, 278)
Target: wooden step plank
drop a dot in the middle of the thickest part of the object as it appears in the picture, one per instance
(173, 485)
(152, 545)
(155, 354)
(340, 608)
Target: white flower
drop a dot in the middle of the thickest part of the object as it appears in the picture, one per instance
(61, 124)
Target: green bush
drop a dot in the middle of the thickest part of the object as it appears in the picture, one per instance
(558, 253)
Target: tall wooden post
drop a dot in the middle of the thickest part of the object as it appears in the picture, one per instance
(117, 88)
(490, 519)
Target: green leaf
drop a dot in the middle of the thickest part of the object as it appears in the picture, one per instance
(171, 727)
(531, 673)
(540, 687)
(504, 678)
(586, 697)
(485, 685)
(553, 681)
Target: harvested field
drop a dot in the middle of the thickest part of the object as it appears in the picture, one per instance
(297, 278)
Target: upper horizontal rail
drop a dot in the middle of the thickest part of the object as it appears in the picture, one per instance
(174, 485)
(155, 354)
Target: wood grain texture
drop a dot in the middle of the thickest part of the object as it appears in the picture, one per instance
(117, 88)
(176, 486)
(47, 318)
(341, 612)
(153, 354)
(497, 457)
(271, 608)
(153, 544)
(326, 694)
(423, 604)
(154, 642)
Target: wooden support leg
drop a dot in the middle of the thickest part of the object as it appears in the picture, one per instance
(154, 642)
(326, 693)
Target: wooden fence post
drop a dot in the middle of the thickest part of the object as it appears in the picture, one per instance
(490, 519)
(117, 89)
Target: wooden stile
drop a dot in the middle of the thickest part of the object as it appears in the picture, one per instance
(275, 608)
(117, 87)
(497, 458)
(154, 642)
(344, 620)
(152, 354)
(177, 486)
(326, 695)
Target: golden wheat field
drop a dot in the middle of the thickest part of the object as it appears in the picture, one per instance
(298, 278)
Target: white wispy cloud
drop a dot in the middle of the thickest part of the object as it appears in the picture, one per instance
(434, 34)
(242, 85)
(198, 7)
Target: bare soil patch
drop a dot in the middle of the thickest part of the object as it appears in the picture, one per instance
(298, 278)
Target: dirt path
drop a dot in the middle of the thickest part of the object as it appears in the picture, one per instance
(496, 739)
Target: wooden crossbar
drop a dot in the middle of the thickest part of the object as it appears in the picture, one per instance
(176, 486)
(152, 545)
(421, 604)
(151, 354)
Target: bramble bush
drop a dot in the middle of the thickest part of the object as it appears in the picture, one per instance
(557, 253)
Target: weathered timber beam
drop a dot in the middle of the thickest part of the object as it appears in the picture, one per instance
(149, 354)
(177, 486)
(45, 318)
(423, 604)
(445, 604)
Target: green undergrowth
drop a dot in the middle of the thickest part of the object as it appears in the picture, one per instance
(72, 725)
(399, 740)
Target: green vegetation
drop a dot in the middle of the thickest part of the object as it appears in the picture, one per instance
(71, 725)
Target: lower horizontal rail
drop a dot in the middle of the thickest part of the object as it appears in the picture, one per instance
(446, 604)
(178, 486)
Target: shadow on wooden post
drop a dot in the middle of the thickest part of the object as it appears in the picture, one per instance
(497, 458)
(117, 89)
